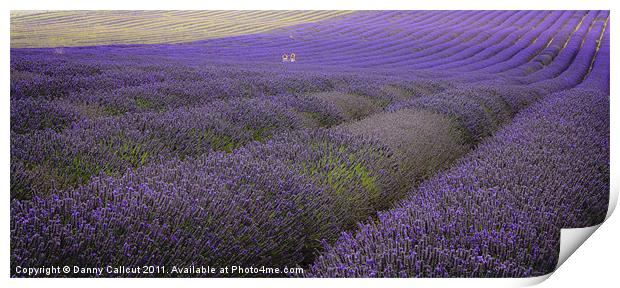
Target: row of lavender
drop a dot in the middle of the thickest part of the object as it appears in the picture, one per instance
(153, 87)
(163, 90)
(466, 42)
(346, 179)
(481, 110)
(268, 203)
(33, 80)
(47, 159)
(57, 91)
(499, 211)
(265, 204)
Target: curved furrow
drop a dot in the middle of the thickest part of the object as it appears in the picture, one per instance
(491, 54)
(343, 46)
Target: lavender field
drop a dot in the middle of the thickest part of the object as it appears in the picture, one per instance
(396, 144)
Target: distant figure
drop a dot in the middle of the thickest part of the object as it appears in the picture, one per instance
(284, 57)
(292, 57)
(59, 50)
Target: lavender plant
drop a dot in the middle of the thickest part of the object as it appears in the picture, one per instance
(498, 212)
(217, 153)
